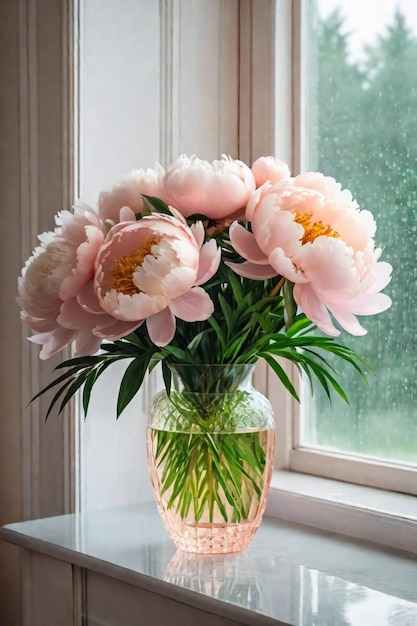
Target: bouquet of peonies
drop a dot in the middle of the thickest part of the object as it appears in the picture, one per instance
(204, 263)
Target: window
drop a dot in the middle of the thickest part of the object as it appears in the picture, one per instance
(357, 88)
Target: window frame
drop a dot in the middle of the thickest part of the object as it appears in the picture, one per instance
(291, 456)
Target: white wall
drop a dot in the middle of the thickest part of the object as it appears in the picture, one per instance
(156, 79)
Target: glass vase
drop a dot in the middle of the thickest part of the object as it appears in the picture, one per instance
(210, 452)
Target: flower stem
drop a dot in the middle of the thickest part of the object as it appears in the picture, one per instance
(277, 287)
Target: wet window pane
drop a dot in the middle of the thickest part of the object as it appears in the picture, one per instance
(361, 87)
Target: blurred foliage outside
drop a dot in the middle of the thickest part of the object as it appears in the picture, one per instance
(362, 123)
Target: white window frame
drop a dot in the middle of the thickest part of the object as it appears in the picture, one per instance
(353, 495)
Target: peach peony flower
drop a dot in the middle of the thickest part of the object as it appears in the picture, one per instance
(151, 270)
(311, 232)
(127, 192)
(216, 189)
(60, 269)
(269, 169)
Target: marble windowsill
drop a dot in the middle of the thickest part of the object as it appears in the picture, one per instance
(290, 575)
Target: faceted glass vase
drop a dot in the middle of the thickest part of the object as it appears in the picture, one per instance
(210, 453)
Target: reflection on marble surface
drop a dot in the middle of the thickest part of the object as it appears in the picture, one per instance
(231, 578)
(291, 574)
(328, 600)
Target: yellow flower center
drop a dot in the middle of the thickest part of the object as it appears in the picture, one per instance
(312, 230)
(125, 267)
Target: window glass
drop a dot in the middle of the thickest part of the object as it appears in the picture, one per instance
(361, 95)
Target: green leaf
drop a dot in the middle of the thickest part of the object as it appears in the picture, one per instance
(227, 312)
(90, 382)
(236, 285)
(299, 325)
(56, 397)
(88, 386)
(158, 204)
(281, 374)
(167, 377)
(131, 382)
(83, 361)
(55, 382)
(179, 354)
(195, 341)
(214, 324)
(73, 388)
(156, 358)
(233, 350)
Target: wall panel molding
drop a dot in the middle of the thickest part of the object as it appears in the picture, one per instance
(265, 88)
(170, 43)
(36, 162)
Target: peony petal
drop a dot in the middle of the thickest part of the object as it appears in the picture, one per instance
(245, 244)
(84, 270)
(329, 264)
(215, 189)
(53, 342)
(161, 327)
(87, 299)
(127, 192)
(195, 305)
(133, 308)
(156, 280)
(198, 232)
(210, 256)
(252, 270)
(112, 329)
(127, 215)
(383, 276)
(314, 309)
(37, 325)
(284, 266)
(269, 169)
(349, 322)
(86, 343)
(276, 228)
(72, 315)
(369, 304)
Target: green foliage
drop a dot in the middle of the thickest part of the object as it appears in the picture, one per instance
(218, 472)
(249, 322)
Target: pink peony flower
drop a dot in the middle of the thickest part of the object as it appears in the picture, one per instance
(127, 192)
(216, 189)
(311, 232)
(151, 270)
(269, 169)
(60, 269)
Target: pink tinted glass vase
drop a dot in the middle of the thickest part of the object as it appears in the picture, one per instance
(210, 452)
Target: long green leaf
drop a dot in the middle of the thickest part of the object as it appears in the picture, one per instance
(213, 322)
(55, 382)
(56, 397)
(88, 385)
(281, 374)
(73, 388)
(131, 382)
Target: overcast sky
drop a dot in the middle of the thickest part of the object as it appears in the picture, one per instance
(366, 19)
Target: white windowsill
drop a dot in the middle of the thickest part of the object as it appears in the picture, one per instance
(290, 575)
(384, 517)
